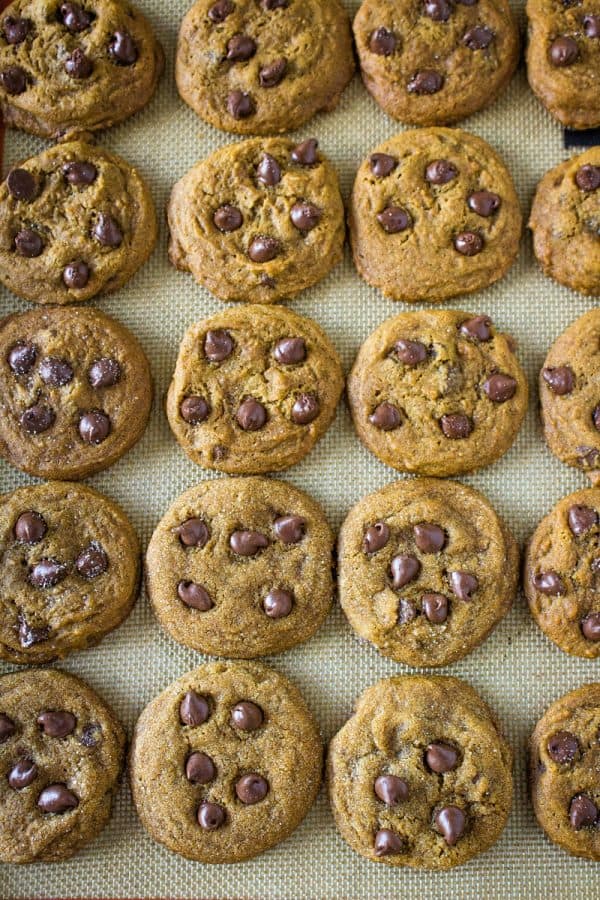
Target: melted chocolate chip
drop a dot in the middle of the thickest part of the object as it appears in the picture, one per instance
(192, 533)
(122, 49)
(390, 789)
(456, 426)
(194, 709)
(468, 243)
(194, 410)
(463, 585)
(386, 417)
(56, 372)
(75, 18)
(290, 529)
(305, 410)
(76, 275)
(28, 635)
(263, 249)
(581, 519)
(7, 728)
(549, 583)
(199, 768)
(240, 47)
(47, 573)
(375, 537)
(251, 788)
(21, 357)
(290, 351)
(211, 816)
(382, 164)
(28, 243)
(218, 345)
(438, 10)
(382, 42)
(220, 10)
(92, 562)
(563, 51)
(388, 843)
(251, 415)
(560, 380)
(278, 603)
(107, 232)
(15, 29)
(450, 821)
(37, 419)
(22, 774)
(240, 105)
(268, 171)
(247, 543)
(14, 80)
(94, 427)
(429, 538)
(484, 203)
(273, 73)
(91, 735)
(247, 716)
(435, 607)
(590, 626)
(425, 82)
(440, 171)
(478, 329)
(500, 388)
(104, 373)
(441, 757)
(305, 216)
(404, 568)
(30, 527)
(305, 153)
(591, 26)
(21, 185)
(411, 353)
(57, 798)
(394, 219)
(478, 38)
(57, 723)
(587, 178)
(194, 595)
(78, 65)
(80, 173)
(583, 812)
(563, 747)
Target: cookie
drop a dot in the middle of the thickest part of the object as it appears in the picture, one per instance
(426, 570)
(258, 221)
(563, 60)
(564, 764)
(61, 755)
(225, 763)
(564, 222)
(241, 567)
(75, 391)
(433, 213)
(254, 389)
(67, 68)
(435, 62)
(437, 392)
(263, 66)
(420, 775)
(562, 574)
(75, 221)
(69, 570)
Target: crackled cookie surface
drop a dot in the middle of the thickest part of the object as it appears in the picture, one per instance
(420, 775)
(241, 567)
(433, 213)
(75, 391)
(61, 754)
(258, 221)
(263, 66)
(435, 62)
(225, 763)
(426, 570)
(75, 221)
(562, 574)
(564, 763)
(70, 67)
(437, 392)
(69, 566)
(254, 389)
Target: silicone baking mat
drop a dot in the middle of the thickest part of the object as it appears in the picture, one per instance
(517, 670)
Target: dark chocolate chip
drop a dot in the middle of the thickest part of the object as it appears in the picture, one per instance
(591, 26)
(478, 38)
(247, 543)
(194, 410)
(390, 789)
(560, 379)
(581, 519)
(211, 816)
(194, 709)
(218, 345)
(199, 768)
(251, 415)
(386, 417)
(21, 357)
(14, 80)
(382, 164)
(247, 716)
(290, 351)
(563, 51)
(290, 529)
(57, 723)
(468, 243)
(407, 611)
(47, 573)
(122, 49)
(220, 10)
(21, 185)
(107, 232)
(28, 243)
(28, 635)
(411, 353)
(194, 595)
(435, 607)
(92, 562)
(440, 171)
(264, 248)
(7, 728)
(278, 603)
(500, 388)
(37, 419)
(441, 757)
(478, 328)
(305, 216)
(463, 585)
(78, 65)
(590, 626)
(438, 10)
(16, 29)
(549, 583)
(22, 774)
(382, 42)
(587, 178)
(270, 5)
(104, 372)
(484, 203)
(240, 105)
(268, 171)
(425, 82)
(76, 274)
(251, 788)
(596, 417)
(57, 798)
(563, 747)
(56, 372)
(75, 18)
(456, 426)
(193, 533)
(394, 219)
(240, 47)
(94, 427)
(91, 735)
(450, 821)
(429, 538)
(305, 410)
(583, 812)
(30, 527)
(375, 537)
(80, 173)
(305, 153)
(273, 73)
(388, 843)
(404, 568)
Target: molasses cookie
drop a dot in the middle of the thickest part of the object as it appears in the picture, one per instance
(70, 67)
(61, 754)
(75, 221)
(241, 567)
(420, 775)
(263, 66)
(75, 391)
(437, 392)
(433, 213)
(435, 62)
(254, 389)
(225, 763)
(426, 570)
(258, 221)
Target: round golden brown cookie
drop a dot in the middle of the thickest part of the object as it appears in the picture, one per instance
(225, 763)
(75, 221)
(69, 569)
(75, 391)
(563, 60)
(61, 755)
(420, 775)
(437, 61)
(437, 392)
(70, 67)
(426, 570)
(263, 66)
(433, 213)
(258, 221)
(241, 567)
(562, 574)
(564, 765)
(564, 221)
(254, 389)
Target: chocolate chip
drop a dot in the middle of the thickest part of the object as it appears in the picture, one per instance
(290, 529)
(218, 345)
(478, 38)
(382, 165)
(30, 527)
(251, 415)
(199, 768)
(425, 82)
(386, 417)
(563, 747)
(240, 105)
(435, 607)
(463, 585)
(394, 219)
(240, 47)
(456, 426)
(247, 716)
(388, 843)
(305, 410)
(478, 328)
(7, 728)
(21, 357)
(211, 816)
(375, 537)
(192, 533)
(47, 573)
(268, 171)
(290, 351)
(122, 49)
(57, 723)
(220, 10)
(107, 231)
(583, 812)
(80, 173)
(273, 74)
(251, 788)
(596, 417)
(560, 379)
(28, 243)
(56, 372)
(563, 51)
(404, 569)
(305, 153)
(549, 583)
(15, 29)
(28, 636)
(441, 757)
(590, 626)
(589, 456)
(94, 427)
(194, 595)
(429, 538)
(305, 216)
(591, 26)
(263, 249)
(78, 65)
(411, 353)
(438, 10)
(278, 603)
(37, 419)
(56, 798)
(194, 410)
(76, 274)
(22, 774)
(382, 42)
(587, 178)
(484, 203)
(75, 18)
(500, 388)
(92, 562)
(440, 171)
(194, 709)
(247, 543)
(270, 5)
(469, 243)
(581, 519)
(390, 789)
(91, 735)
(21, 185)
(104, 372)
(450, 821)
(407, 611)
(14, 80)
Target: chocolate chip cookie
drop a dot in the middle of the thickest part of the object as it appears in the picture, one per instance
(433, 213)
(562, 574)
(263, 66)
(70, 67)
(259, 220)
(564, 764)
(437, 392)
(69, 568)
(75, 391)
(426, 570)
(565, 218)
(241, 567)
(437, 61)
(61, 754)
(75, 221)
(563, 60)
(225, 763)
(254, 389)
(420, 775)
